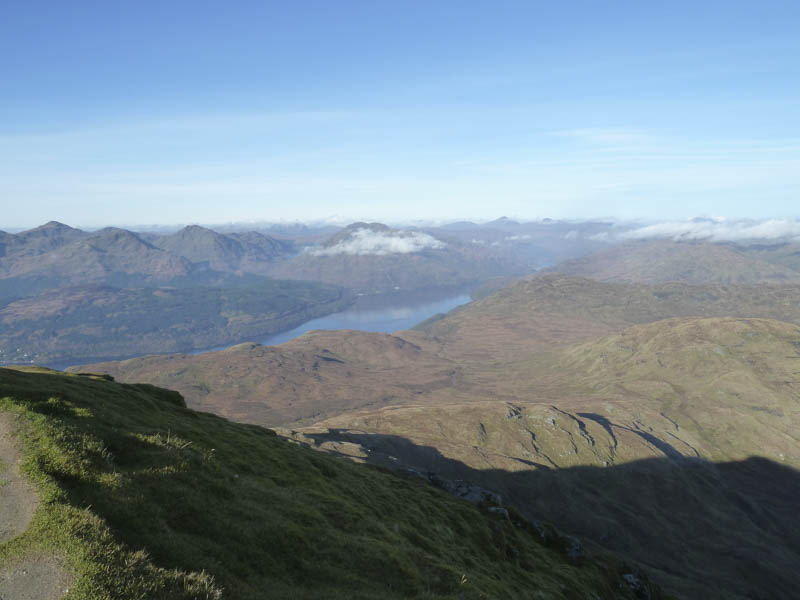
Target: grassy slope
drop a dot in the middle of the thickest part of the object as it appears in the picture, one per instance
(146, 498)
(294, 381)
(571, 450)
(729, 384)
(722, 389)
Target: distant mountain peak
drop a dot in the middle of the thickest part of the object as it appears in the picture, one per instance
(503, 222)
(54, 225)
(250, 251)
(115, 232)
(50, 226)
(119, 238)
(195, 232)
(352, 230)
(195, 229)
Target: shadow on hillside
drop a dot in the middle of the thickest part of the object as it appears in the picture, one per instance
(710, 530)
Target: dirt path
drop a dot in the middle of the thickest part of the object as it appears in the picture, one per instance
(19, 500)
(41, 577)
(34, 578)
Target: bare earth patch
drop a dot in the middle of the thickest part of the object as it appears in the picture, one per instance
(39, 577)
(19, 500)
(34, 578)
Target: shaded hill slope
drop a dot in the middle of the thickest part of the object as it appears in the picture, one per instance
(145, 498)
(705, 530)
(657, 261)
(101, 322)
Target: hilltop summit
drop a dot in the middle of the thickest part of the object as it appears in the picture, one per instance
(247, 252)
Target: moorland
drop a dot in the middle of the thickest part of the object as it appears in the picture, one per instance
(655, 419)
(622, 416)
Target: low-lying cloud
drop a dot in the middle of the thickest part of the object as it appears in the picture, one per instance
(364, 242)
(718, 230)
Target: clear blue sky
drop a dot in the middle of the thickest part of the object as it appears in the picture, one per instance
(211, 112)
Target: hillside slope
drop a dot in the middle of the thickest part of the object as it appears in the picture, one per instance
(559, 374)
(111, 256)
(539, 311)
(246, 252)
(642, 441)
(45, 238)
(373, 258)
(321, 375)
(95, 322)
(655, 261)
(144, 498)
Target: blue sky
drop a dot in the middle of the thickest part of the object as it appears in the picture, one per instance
(212, 112)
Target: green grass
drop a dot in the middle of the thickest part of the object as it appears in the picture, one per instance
(147, 499)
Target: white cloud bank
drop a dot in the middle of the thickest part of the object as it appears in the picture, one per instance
(380, 243)
(718, 230)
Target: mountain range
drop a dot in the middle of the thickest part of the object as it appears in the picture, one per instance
(367, 258)
(374, 258)
(249, 252)
(56, 255)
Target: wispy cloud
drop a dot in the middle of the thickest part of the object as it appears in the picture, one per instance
(716, 229)
(380, 243)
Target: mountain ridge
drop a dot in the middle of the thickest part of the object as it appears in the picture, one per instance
(658, 261)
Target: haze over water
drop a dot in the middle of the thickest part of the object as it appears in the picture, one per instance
(383, 320)
(386, 319)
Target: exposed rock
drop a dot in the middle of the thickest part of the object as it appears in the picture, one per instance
(637, 584)
(466, 490)
(499, 510)
(573, 548)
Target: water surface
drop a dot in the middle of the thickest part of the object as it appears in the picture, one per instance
(384, 320)
(383, 314)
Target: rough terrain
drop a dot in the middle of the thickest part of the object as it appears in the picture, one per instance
(36, 577)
